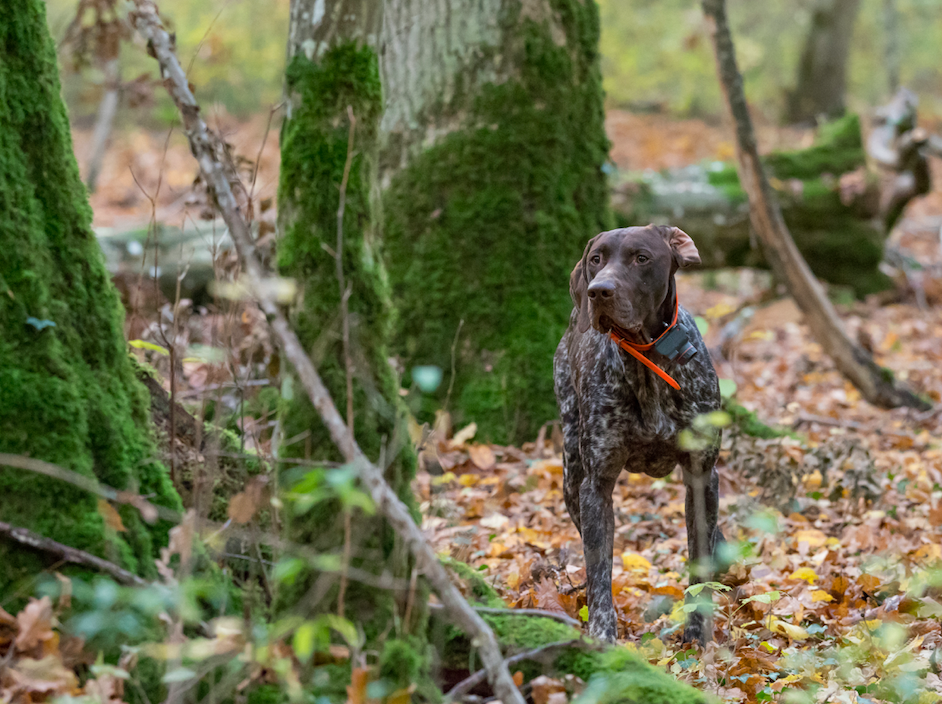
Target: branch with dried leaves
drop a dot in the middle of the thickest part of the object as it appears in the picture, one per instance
(875, 384)
(204, 146)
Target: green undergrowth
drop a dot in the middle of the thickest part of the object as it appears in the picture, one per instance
(485, 225)
(614, 674)
(68, 394)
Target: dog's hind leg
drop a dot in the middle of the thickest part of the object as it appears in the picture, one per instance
(701, 481)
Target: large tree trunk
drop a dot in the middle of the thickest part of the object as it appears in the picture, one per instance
(492, 165)
(328, 152)
(875, 384)
(822, 71)
(67, 389)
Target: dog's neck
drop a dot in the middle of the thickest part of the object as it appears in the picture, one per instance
(660, 319)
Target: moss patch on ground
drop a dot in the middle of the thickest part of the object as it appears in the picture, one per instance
(486, 224)
(68, 394)
(614, 674)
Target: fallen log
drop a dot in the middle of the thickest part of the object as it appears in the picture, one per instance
(830, 200)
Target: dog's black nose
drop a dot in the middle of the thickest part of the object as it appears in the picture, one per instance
(601, 289)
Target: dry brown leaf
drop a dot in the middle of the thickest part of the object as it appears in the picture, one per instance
(46, 676)
(35, 623)
(110, 515)
(543, 687)
(356, 690)
(482, 456)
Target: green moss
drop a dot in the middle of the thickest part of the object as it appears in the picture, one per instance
(482, 593)
(485, 225)
(67, 392)
(750, 424)
(838, 149)
(618, 675)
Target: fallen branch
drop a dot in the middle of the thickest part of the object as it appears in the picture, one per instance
(204, 145)
(469, 683)
(67, 554)
(538, 613)
(875, 384)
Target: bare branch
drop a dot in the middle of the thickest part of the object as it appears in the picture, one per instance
(203, 145)
(67, 554)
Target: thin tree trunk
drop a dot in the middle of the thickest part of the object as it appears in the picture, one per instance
(107, 109)
(822, 71)
(875, 383)
(891, 49)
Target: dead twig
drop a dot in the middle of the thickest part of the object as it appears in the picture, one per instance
(203, 146)
(67, 554)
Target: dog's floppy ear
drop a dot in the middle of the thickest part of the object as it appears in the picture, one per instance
(578, 289)
(682, 247)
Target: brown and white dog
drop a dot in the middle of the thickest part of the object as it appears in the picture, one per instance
(620, 412)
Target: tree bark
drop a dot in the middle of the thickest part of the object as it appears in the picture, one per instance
(68, 394)
(822, 71)
(493, 147)
(876, 384)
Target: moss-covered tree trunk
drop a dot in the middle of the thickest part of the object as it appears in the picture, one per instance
(67, 389)
(492, 168)
(333, 74)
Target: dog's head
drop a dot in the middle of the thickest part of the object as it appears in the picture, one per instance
(625, 275)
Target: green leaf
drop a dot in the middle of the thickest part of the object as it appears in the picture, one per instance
(427, 377)
(727, 388)
(584, 613)
(144, 345)
(766, 598)
(181, 674)
(305, 640)
(702, 324)
(286, 571)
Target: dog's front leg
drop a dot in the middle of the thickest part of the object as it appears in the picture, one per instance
(701, 507)
(598, 536)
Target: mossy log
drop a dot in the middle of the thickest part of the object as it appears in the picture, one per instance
(492, 164)
(835, 225)
(68, 394)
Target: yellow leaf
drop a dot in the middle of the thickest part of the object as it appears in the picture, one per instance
(110, 515)
(789, 629)
(633, 562)
(805, 573)
(814, 537)
(928, 553)
(468, 479)
(768, 646)
(821, 595)
(832, 543)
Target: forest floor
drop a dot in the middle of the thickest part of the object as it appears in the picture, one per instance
(838, 520)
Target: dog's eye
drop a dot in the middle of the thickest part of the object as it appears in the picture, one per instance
(642, 259)
(596, 259)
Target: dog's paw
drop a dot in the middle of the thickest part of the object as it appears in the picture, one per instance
(695, 630)
(604, 627)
